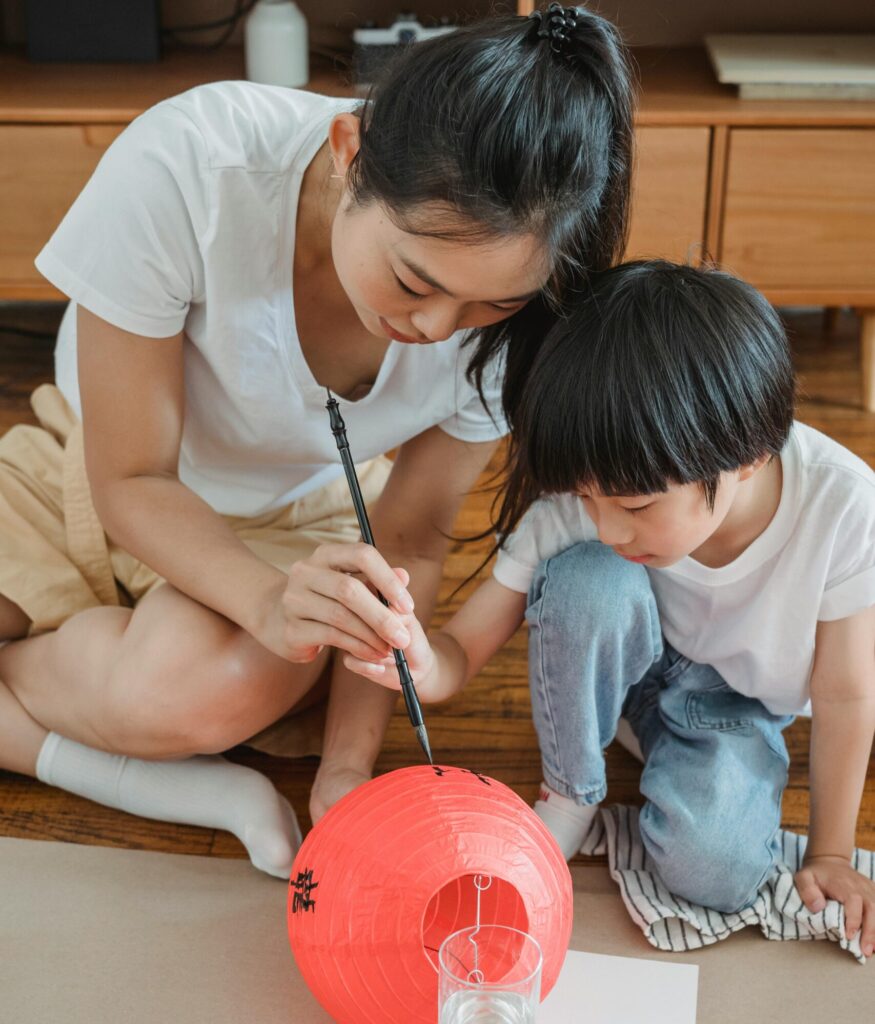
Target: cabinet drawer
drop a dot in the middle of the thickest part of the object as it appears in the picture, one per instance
(42, 170)
(669, 193)
(799, 212)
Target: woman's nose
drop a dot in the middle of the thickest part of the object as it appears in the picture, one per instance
(437, 321)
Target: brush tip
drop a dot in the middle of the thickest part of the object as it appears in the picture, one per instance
(423, 741)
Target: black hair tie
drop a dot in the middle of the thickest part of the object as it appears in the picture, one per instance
(556, 24)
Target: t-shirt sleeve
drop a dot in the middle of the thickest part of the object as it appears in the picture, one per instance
(128, 250)
(551, 525)
(851, 585)
(474, 421)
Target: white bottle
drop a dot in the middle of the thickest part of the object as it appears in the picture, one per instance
(276, 44)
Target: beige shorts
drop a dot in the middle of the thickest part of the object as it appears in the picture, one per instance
(56, 560)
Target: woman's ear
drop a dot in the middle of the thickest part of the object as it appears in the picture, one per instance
(746, 472)
(344, 139)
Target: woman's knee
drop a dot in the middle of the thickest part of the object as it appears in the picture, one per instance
(176, 698)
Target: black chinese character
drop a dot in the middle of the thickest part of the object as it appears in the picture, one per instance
(477, 775)
(303, 885)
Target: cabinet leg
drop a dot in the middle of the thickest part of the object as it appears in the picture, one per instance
(867, 344)
(831, 315)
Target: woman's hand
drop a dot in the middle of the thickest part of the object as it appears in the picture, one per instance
(832, 877)
(329, 599)
(420, 657)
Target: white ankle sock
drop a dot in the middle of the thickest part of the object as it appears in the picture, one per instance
(206, 791)
(627, 739)
(568, 821)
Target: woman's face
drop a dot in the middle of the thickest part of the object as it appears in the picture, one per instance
(419, 290)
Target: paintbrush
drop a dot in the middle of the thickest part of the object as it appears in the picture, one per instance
(411, 700)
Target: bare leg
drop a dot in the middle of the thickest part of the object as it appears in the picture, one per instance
(20, 736)
(166, 680)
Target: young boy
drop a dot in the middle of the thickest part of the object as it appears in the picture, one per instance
(691, 559)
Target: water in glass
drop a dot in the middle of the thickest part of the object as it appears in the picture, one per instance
(487, 1008)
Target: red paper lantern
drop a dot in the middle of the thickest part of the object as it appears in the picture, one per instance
(389, 873)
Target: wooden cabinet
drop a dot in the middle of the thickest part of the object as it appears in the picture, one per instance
(42, 170)
(799, 212)
(669, 193)
(781, 192)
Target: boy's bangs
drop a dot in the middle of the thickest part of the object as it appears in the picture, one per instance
(663, 375)
(586, 435)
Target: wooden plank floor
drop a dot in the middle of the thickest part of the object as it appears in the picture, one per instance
(488, 727)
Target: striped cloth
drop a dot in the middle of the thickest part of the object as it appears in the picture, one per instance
(675, 925)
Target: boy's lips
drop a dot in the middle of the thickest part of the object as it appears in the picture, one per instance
(634, 558)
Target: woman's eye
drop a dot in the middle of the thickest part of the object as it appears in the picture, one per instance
(409, 291)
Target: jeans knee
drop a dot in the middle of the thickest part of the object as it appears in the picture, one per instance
(589, 584)
(714, 874)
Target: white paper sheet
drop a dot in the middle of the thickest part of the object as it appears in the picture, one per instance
(597, 989)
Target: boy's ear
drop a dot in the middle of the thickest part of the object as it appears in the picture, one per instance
(344, 139)
(746, 472)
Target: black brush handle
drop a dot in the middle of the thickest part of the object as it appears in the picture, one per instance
(411, 699)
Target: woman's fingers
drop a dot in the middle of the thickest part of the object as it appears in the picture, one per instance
(379, 672)
(354, 596)
(322, 635)
(365, 559)
(313, 607)
(324, 603)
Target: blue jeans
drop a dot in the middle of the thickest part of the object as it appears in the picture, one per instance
(715, 760)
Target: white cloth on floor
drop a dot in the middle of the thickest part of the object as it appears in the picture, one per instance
(676, 925)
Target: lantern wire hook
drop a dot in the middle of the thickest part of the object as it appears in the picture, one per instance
(481, 884)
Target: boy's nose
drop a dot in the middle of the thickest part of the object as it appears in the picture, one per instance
(613, 532)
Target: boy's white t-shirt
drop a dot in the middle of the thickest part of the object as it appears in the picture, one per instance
(188, 223)
(753, 620)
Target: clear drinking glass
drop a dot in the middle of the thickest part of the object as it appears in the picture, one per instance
(489, 974)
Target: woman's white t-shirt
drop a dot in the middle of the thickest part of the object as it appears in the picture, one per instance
(189, 223)
(753, 620)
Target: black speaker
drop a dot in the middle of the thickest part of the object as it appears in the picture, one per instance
(93, 30)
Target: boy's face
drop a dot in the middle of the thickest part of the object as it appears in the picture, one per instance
(658, 530)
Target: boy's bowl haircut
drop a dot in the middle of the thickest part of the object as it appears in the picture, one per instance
(660, 374)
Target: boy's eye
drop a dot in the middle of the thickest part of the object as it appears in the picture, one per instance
(405, 288)
(639, 508)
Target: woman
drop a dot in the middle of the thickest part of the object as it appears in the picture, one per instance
(239, 249)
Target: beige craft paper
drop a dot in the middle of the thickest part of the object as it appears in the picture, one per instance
(100, 936)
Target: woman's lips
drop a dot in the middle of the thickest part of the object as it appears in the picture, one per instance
(390, 332)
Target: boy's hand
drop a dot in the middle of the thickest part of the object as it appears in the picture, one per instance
(831, 877)
(420, 659)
